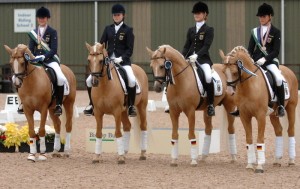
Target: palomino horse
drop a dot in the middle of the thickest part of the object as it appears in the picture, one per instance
(35, 92)
(183, 96)
(109, 98)
(252, 99)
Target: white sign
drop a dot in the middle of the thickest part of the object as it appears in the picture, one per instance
(25, 20)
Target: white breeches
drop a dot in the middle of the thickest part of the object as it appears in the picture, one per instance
(88, 81)
(61, 79)
(129, 72)
(130, 75)
(277, 74)
(207, 72)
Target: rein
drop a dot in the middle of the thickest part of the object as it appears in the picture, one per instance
(25, 73)
(241, 68)
(101, 73)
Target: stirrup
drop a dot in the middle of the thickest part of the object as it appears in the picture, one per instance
(89, 110)
(235, 113)
(58, 110)
(20, 111)
(280, 111)
(131, 111)
(210, 110)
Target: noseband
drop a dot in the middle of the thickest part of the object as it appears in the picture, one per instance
(105, 63)
(25, 73)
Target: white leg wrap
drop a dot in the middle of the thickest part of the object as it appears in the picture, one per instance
(279, 147)
(42, 145)
(194, 149)
(57, 144)
(98, 146)
(120, 146)
(261, 159)
(68, 142)
(232, 144)
(251, 154)
(174, 152)
(126, 139)
(292, 147)
(32, 145)
(206, 145)
(144, 140)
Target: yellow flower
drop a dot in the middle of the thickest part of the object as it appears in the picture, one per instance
(24, 134)
(13, 137)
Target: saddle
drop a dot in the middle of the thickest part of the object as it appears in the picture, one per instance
(271, 85)
(199, 75)
(124, 79)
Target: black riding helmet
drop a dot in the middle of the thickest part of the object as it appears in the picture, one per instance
(200, 7)
(117, 8)
(43, 12)
(265, 9)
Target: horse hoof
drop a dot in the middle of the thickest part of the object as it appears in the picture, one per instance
(259, 171)
(174, 165)
(31, 157)
(194, 163)
(276, 165)
(250, 167)
(143, 158)
(121, 161)
(42, 157)
(203, 158)
(291, 162)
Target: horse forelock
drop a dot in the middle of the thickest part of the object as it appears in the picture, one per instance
(236, 50)
(170, 49)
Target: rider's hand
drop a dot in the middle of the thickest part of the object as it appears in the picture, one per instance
(261, 61)
(41, 57)
(193, 58)
(118, 60)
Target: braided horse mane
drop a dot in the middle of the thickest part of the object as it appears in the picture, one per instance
(236, 49)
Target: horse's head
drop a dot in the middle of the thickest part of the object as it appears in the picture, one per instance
(97, 61)
(234, 68)
(18, 63)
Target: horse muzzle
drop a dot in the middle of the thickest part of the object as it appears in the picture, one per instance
(158, 87)
(95, 81)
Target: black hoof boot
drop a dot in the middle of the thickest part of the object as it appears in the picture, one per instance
(58, 110)
(210, 110)
(280, 111)
(131, 111)
(235, 113)
(89, 110)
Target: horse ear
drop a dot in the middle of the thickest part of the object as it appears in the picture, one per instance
(9, 50)
(150, 52)
(103, 45)
(221, 53)
(88, 46)
(164, 51)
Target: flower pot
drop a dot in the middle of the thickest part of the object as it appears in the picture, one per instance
(5, 149)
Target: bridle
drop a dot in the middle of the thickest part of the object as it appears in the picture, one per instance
(168, 77)
(105, 61)
(26, 72)
(240, 66)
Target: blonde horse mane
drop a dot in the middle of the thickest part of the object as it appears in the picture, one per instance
(170, 49)
(21, 48)
(237, 49)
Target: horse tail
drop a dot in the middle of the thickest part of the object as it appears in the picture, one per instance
(224, 130)
(137, 131)
(63, 125)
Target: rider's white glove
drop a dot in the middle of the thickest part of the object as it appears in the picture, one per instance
(193, 58)
(261, 61)
(41, 57)
(118, 60)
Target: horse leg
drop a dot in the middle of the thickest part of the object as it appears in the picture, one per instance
(98, 146)
(126, 131)
(192, 137)
(260, 146)
(42, 156)
(174, 153)
(32, 135)
(249, 140)
(231, 132)
(57, 142)
(207, 136)
(119, 138)
(291, 114)
(142, 110)
(279, 140)
(68, 126)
